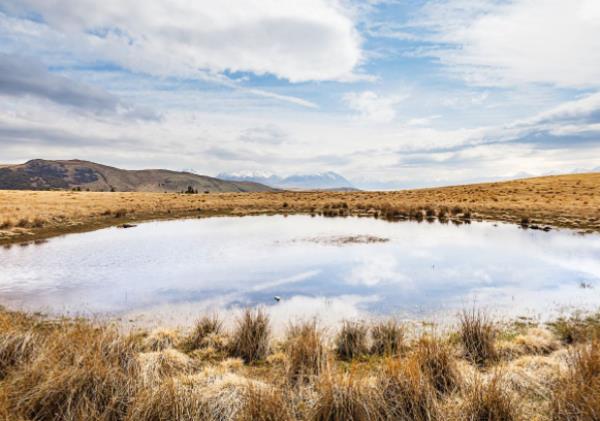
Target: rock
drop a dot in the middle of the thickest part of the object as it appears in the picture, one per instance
(127, 226)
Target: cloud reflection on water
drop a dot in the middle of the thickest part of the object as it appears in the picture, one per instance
(174, 270)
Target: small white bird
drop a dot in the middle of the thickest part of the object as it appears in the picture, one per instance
(277, 298)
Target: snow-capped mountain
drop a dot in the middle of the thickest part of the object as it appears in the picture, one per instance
(322, 181)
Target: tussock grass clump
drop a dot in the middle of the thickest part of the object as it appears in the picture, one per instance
(200, 336)
(345, 398)
(170, 401)
(265, 404)
(16, 348)
(6, 224)
(82, 372)
(160, 339)
(351, 341)
(156, 366)
(456, 210)
(489, 401)
(407, 392)
(436, 359)
(577, 328)
(250, 339)
(388, 337)
(537, 341)
(577, 394)
(120, 213)
(306, 355)
(478, 335)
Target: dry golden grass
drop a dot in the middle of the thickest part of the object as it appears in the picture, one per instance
(477, 334)
(351, 341)
(306, 357)
(577, 395)
(79, 370)
(250, 340)
(407, 391)
(387, 338)
(489, 400)
(436, 359)
(566, 201)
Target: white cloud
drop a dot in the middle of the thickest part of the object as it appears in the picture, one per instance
(297, 41)
(522, 41)
(372, 106)
(579, 110)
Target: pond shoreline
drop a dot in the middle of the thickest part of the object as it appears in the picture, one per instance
(36, 227)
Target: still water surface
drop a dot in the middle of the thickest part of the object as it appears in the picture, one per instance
(170, 272)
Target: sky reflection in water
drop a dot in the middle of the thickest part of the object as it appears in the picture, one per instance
(172, 271)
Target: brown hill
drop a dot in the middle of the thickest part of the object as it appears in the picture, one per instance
(39, 174)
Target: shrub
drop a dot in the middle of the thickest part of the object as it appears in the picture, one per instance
(456, 210)
(490, 401)
(407, 392)
(306, 353)
(437, 362)
(577, 394)
(6, 224)
(250, 339)
(351, 341)
(443, 213)
(477, 335)
(23, 222)
(387, 338)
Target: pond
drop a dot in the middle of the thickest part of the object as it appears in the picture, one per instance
(172, 271)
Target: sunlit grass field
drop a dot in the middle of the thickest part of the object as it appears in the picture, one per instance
(384, 370)
(571, 201)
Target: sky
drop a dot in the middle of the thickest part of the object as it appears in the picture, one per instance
(388, 93)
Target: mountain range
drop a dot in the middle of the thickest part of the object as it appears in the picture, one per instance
(318, 181)
(40, 174)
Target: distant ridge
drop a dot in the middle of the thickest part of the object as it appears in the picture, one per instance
(329, 180)
(40, 174)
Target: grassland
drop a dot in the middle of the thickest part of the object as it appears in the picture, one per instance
(571, 201)
(80, 370)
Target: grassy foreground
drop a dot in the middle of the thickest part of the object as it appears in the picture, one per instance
(571, 201)
(80, 370)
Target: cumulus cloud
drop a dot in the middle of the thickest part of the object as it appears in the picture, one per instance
(523, 41)
(297, 41)
(21, 76)
(372, 106)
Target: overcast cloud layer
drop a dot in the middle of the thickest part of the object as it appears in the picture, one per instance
(389, 94)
